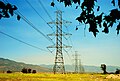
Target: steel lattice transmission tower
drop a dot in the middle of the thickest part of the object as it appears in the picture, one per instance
(76, 62)
(78, 66)
(59, 60)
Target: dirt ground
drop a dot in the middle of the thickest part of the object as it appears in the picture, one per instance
(113, 76)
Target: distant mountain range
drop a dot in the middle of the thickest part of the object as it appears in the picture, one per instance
(94, 69)
(6, 64)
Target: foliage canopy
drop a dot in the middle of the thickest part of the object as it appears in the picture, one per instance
(7, 10)
(88, 16)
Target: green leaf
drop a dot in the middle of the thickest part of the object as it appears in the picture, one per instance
(76, 28)
(106, 30)
(110, 24)
(2, 5)
(119, 3)
(113, 2)
(118, 28)
(18, 17)
(14, 8)
(11, 12)
(52, 4)
(76, 7)
(98, 8)
(105, 25)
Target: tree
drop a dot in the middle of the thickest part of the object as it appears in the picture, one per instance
(34, 71)
(7, 10)
(29, 70)
(103, 67)
(9, 71)
(117, 71)
(88, 16)
(24, 70)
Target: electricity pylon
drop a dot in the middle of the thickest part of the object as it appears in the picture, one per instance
(59, 60)
(76, 62)
(78, 66)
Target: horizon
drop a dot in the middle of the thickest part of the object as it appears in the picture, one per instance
(92, 50)
(53, 64)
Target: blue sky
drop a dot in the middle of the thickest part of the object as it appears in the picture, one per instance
(93, 51)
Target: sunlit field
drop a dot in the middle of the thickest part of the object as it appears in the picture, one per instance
(57, 77)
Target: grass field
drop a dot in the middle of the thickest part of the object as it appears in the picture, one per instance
(56, 77)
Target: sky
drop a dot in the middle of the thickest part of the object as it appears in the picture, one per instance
(92, 50)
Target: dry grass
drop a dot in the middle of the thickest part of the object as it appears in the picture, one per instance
(56, 77)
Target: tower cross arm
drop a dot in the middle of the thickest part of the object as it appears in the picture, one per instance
(53, 46)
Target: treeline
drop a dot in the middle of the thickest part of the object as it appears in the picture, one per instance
(28, 70)
(24, 70)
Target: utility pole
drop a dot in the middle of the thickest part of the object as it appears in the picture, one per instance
(59, 60)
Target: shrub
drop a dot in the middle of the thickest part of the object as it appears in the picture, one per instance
(34, 71)
(24, 70)
(9, 71)
(29, 70)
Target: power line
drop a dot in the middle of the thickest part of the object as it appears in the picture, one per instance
(41, 17)
(71, 40)
(5, 0)
(38, 13)
(70, 36)
(26, 20)
(52, 20)
(45, 9)
(68, 55)
(33, 26)
(29, 23)
(22, 41)
(47, 13)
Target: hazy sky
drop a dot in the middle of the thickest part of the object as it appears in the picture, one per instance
(105, 48)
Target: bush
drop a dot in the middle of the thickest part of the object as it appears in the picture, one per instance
(117, 71)
(34, 71)
(24, 70)
(29, 70)
(9, 71)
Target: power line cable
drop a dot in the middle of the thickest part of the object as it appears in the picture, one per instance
(41, 16)
(38, 14)
(29, 23)
(26, 20)
(46, 12)
(43, 19)
(22, 41)
(45, 9)
(5, 1)
(71, 40)
(68, 55)
(33, 26)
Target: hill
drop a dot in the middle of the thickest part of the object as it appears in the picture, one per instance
(95, 69)
(6, 64)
